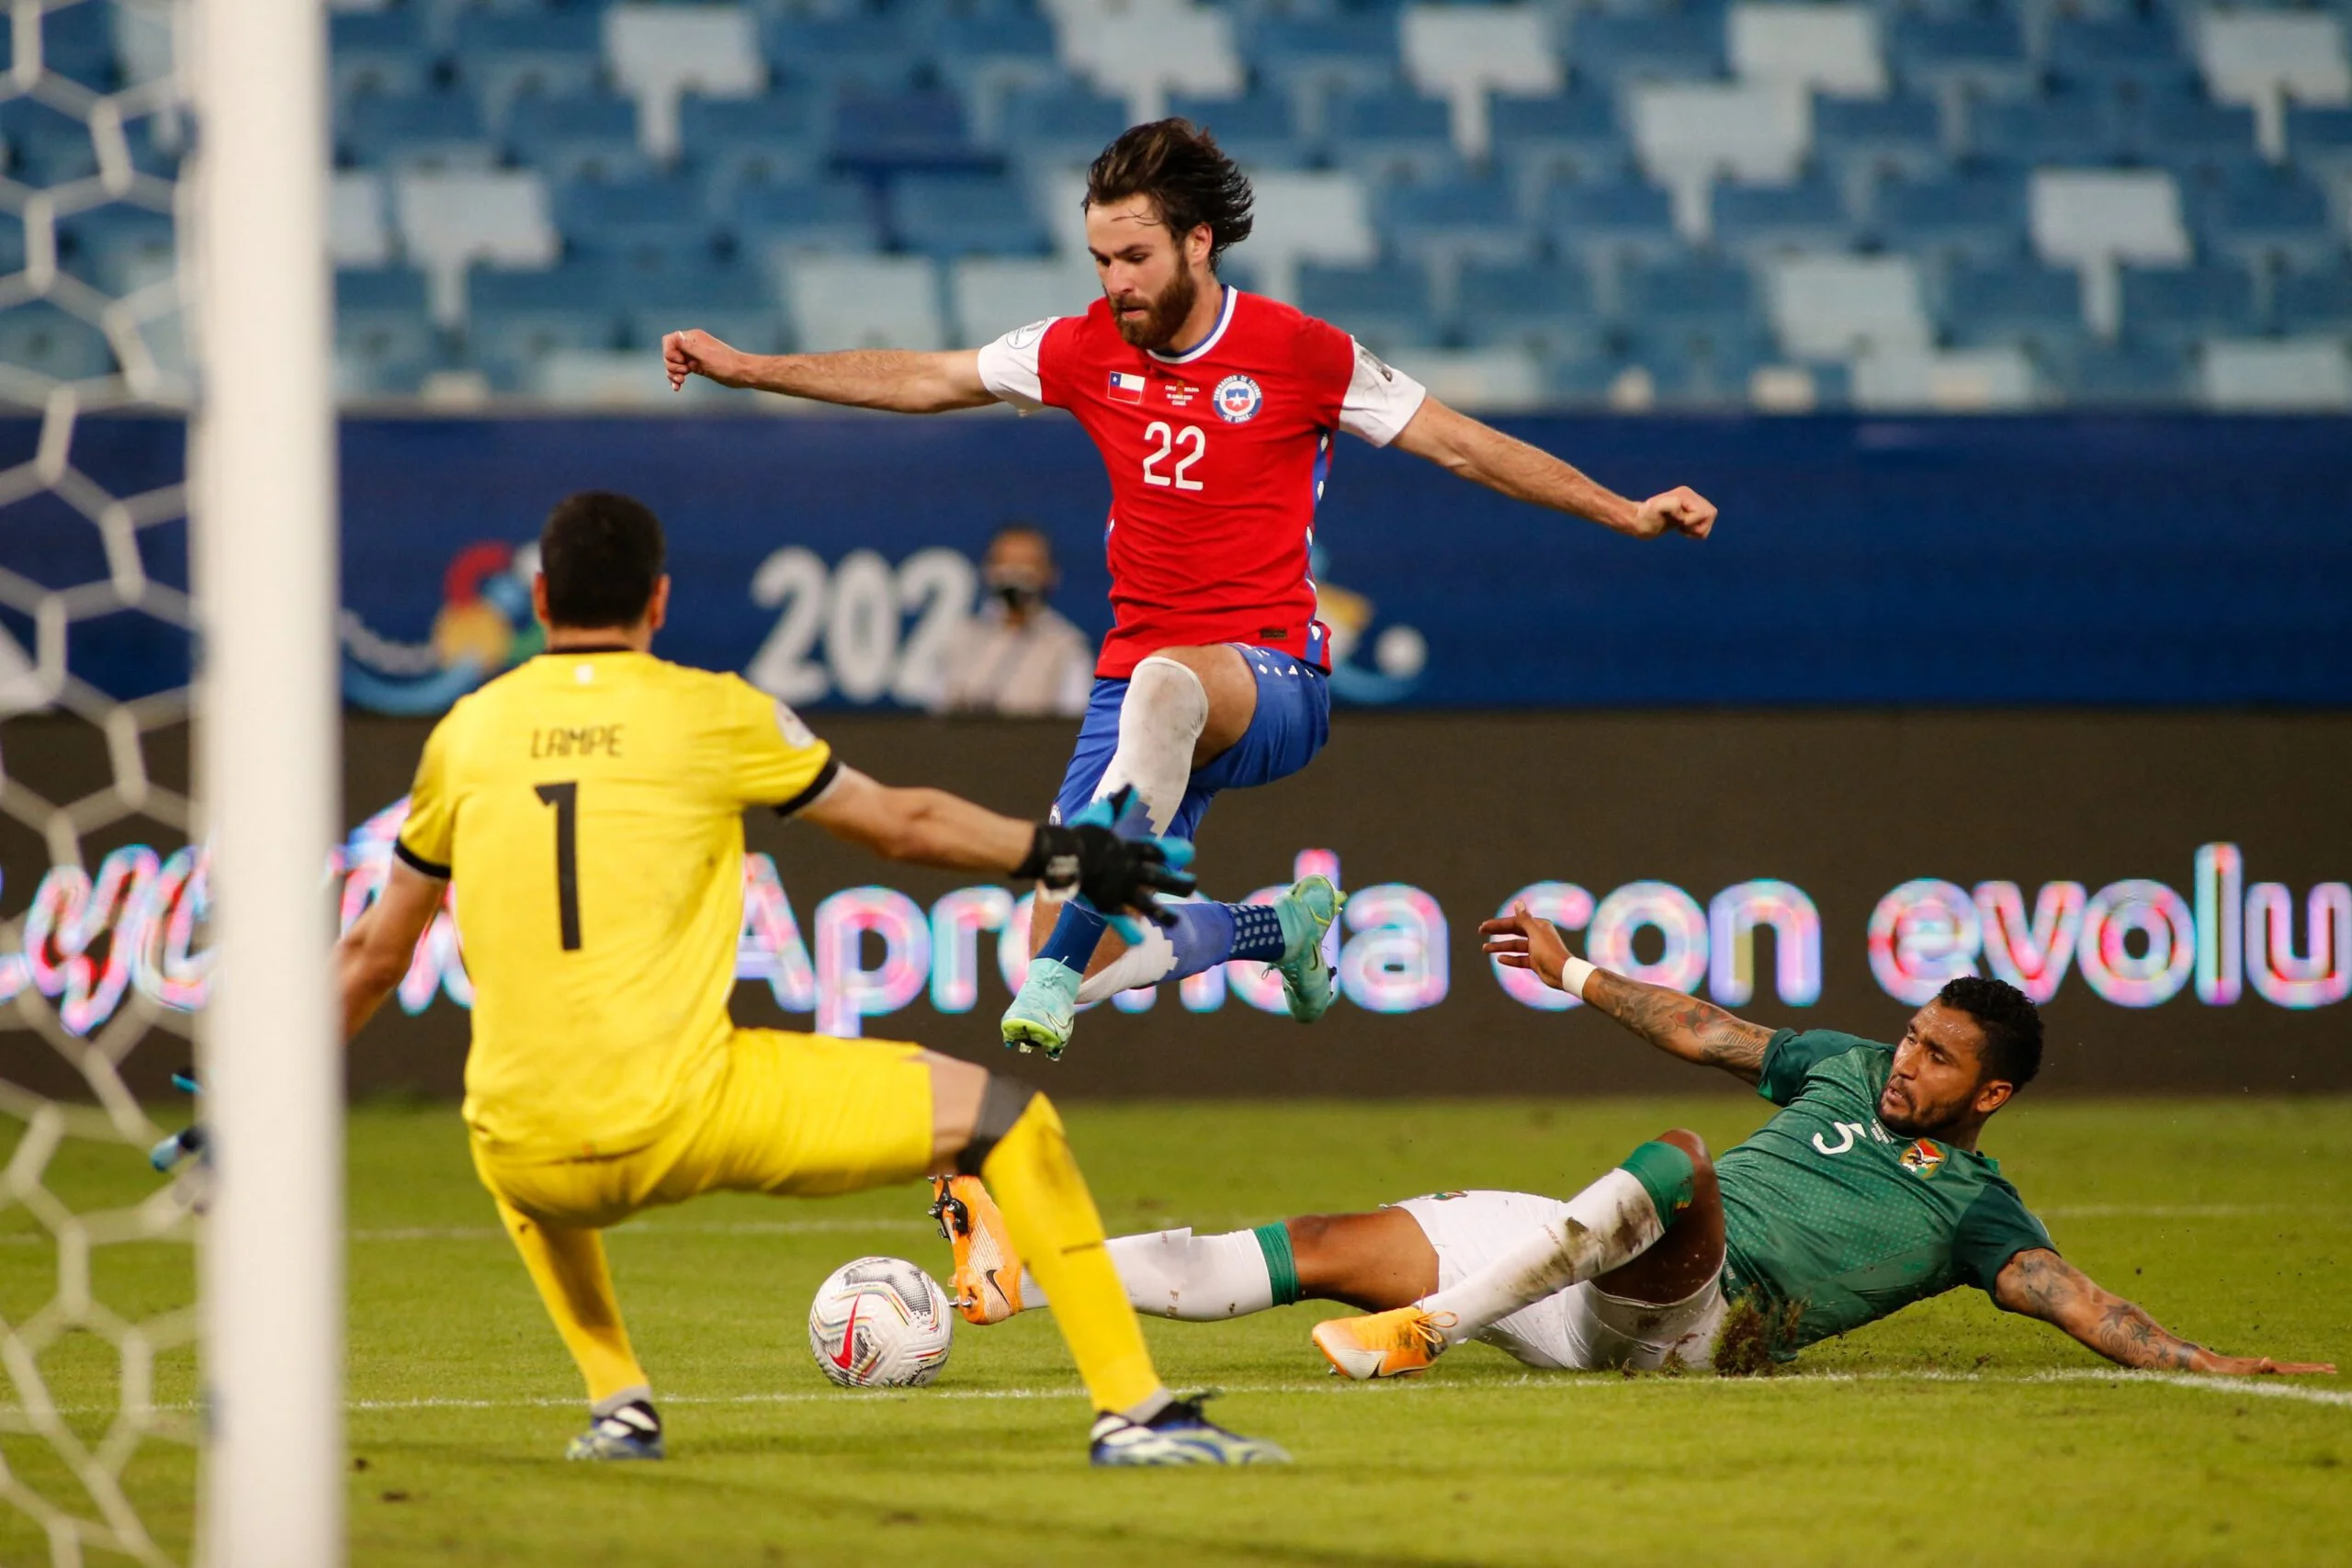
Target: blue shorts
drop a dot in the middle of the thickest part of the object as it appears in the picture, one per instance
(1292, 720)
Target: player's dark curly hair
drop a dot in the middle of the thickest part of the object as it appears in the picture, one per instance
(1187, 176)
(2012, 1025)
(602, 554)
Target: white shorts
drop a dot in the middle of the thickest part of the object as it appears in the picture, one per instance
(1580, 1329)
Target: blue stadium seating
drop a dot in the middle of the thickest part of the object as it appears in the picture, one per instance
(2315, 302)
(589, 138)
(2184, 133)
(770, 140)
(649, 217)
(1260, 129)
(1975, 213)
(1757, 219)
(2266, 216)
(1701, 295)
(1386, 305)
(1447, 224)
(922, 127)
(835, 216)
(1978, 53)
(516, 319)
(2140, 51)
(1065, 123)
(2074, 127)
(2182, 305)
(954, 215)
(2023, 305)
(430, 129)
(1571, 135)
(1391, 135)
(1605, 222)
(547, 55)
(1663, 45)
(377, 52)
(2132, 373)
(1870, 139)
(1314, 58)
(384, 340)
(734, 300)
(872, 53)
(1547, 307)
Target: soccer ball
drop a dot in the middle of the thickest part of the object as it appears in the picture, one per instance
(880, 1323)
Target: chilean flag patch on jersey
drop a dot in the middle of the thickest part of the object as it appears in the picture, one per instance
(1126, 387)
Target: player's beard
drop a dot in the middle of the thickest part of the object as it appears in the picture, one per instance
(1164, 314)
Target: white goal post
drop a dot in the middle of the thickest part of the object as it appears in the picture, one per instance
(268, 727)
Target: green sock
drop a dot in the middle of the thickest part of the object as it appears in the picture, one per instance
(1282, 1269)
(1666, 1174)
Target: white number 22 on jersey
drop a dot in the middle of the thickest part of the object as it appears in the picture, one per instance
(1189, 439)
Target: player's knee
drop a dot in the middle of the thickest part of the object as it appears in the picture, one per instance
(1003, 1104)
(1690, 1143)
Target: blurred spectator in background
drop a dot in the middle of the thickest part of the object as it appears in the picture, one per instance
(1017, 656)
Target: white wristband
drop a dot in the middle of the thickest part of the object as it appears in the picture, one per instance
(1573, 975)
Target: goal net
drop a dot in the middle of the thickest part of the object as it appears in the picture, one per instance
(169, 1327)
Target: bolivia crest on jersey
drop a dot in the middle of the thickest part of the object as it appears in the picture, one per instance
(1237, 400)
(1922, 1158)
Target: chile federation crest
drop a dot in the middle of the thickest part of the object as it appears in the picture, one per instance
(1237, 400)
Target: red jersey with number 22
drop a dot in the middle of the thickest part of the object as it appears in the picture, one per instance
(1217, 455)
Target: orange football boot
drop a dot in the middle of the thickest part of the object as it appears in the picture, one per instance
(988, 1267)
(1392, 1344)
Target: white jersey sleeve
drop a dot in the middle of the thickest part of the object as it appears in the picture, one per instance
(1008, 367)
(1381, 400)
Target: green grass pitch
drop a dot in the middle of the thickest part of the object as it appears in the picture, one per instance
(1949, 1430)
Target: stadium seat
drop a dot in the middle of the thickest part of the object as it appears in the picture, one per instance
(1444, 227)
(2183, 132)
(922, 128)
(359, 234)
(2266, 216)
(2094, 219)
(2315, 303)
(2136, 51)
(1147, 53)
(989, 296)
(1392, 137)
(1863, 141)
(2129, 374)
(375, 51)
(1761, 220)
(1951, 58)
(431, 131)
(1691, 292)
(1977, 213)
(118, 249)
(1462, 53)
(39, 340)
(1315, 59)
(504, 57)
(1690, 135)
(2064, 127)
(2265, 58)
(2033, 307)
(657, 53)
(1305, 217)
(1677, 46)
(1694, 366)
(1059, 126)
(587, 137)
(771, 222)
(1496, 379)
(384, 341)
(732, 142)
(2308, 374)
(451, 220)
(863, 302)
(1388, 305)
(1607, 222)
(1968, 380)
(1573, 134)
(1544, 306)
(874, 53)
(1259, 130)
(516, 317)
(2320, 141)
(734, 300)
(1828, 307)
(954, 215)
(1831, 48)
(651, 216)
(987, 58)
(606, 379)
(2180, 305)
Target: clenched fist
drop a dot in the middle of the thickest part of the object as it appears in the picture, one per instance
(696, 353)
(1680, 510)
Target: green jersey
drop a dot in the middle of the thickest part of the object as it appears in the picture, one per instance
(1825, 1209)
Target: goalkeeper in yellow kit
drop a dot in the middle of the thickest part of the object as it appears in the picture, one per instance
(588, 808)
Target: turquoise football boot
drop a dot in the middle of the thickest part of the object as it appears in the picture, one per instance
(1307, 912)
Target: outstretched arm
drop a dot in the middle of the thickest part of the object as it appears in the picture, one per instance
(1463, 446)
(2039, 1283)
(897, 379)
(1677, 1024)
(375, 952)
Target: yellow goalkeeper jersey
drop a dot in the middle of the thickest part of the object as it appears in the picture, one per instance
(588, 807)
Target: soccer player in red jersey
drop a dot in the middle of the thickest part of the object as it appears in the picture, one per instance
(1214, 413)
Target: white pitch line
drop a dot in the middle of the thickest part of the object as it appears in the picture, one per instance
(2259, 1388)
(639, 1227)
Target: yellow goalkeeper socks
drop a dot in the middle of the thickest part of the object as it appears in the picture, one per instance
(1053, 1219)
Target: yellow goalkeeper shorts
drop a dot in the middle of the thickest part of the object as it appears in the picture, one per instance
(802, 1115)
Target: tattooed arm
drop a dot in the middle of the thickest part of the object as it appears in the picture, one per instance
(1679, 1025)
(2039, 1283)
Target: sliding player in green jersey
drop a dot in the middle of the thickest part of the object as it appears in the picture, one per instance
(1867, 1192)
